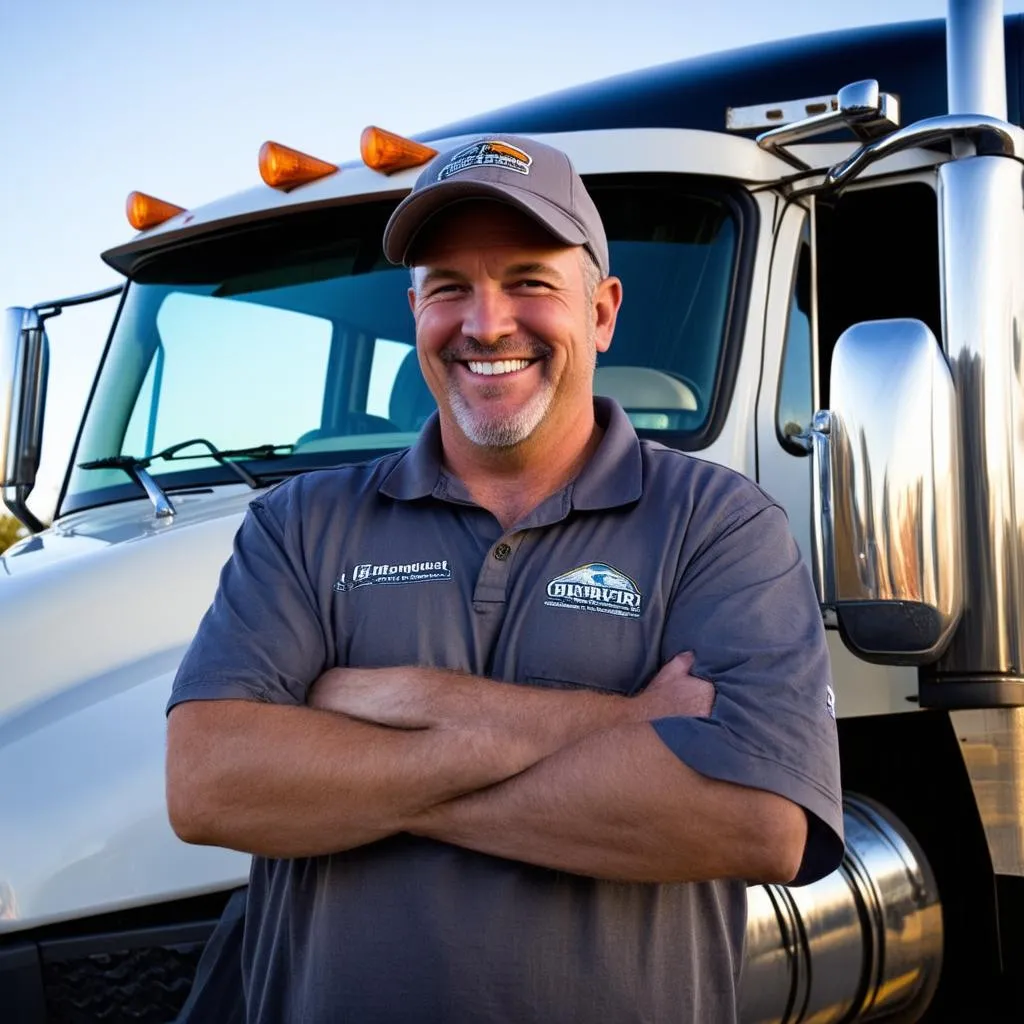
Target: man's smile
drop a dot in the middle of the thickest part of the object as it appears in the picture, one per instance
(497, 367)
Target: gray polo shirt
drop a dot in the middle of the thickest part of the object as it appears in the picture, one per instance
(648, 553)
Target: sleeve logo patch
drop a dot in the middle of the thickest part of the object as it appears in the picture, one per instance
(595, 587)
(830, 701)
(487, 154)
(366, 574)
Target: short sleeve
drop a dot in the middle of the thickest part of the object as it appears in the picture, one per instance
(262, 638)
(746, 607)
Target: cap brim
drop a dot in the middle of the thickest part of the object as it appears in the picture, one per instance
(413, 213)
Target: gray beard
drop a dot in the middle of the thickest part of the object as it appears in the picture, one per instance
(508, 431)
(500, 431)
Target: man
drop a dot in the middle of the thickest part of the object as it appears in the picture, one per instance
(432, 843)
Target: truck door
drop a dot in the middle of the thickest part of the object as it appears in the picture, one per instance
(868, 254)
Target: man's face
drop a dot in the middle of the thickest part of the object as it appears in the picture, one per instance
(506, 330)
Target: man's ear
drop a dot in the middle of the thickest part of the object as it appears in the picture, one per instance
(412, 299)
(607, 300)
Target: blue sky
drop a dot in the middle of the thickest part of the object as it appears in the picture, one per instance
(175, 98)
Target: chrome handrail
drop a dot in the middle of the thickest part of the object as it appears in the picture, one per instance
(989, 135)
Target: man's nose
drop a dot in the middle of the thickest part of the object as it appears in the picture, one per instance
(489, 316)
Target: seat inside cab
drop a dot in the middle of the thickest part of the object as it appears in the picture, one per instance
(651, 398)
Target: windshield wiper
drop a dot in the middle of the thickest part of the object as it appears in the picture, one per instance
(137, 468)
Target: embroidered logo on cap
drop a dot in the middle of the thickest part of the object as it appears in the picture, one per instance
(595, 588)
(487, 154)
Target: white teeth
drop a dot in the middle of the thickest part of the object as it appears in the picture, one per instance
(491, 369)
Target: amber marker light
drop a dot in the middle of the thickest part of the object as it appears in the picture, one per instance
(387, 152)
(148, 211)
(284, 168)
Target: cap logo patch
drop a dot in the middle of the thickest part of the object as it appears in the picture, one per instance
(487, 154)
(595, 588)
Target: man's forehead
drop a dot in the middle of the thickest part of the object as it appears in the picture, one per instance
(479, 225)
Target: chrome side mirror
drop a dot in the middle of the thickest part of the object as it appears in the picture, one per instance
(887, 516)
(860, 100)
(24, 366)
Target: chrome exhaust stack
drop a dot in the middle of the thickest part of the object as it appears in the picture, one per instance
(981, 226)
(976, 58)
(863, 943)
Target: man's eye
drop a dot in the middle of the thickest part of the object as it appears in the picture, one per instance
(532, 284)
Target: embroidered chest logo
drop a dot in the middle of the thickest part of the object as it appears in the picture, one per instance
(366, 574)
(595, 588)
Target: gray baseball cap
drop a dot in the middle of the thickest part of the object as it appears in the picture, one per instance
(537, 179)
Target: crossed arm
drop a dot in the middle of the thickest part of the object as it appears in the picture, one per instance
(574, 780)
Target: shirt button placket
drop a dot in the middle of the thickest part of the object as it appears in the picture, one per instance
(494, 573)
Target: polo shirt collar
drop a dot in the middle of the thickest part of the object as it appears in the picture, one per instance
(418, 472)
(613, 476)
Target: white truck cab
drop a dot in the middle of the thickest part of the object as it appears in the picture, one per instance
(810, 299)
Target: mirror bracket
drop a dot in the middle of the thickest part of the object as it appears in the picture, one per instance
(860, 106)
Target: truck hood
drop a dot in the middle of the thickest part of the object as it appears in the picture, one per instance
(108, 587)
(95, 616)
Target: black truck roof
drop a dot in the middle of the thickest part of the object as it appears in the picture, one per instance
(907, 59)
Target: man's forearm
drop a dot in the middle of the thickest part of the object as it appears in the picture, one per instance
(294, 781)
(620, 805)
(407, 696)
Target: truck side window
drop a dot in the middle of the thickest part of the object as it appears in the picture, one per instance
(794, 411)
(388, 357)
(878, 258)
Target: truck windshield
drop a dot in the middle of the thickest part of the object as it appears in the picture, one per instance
(297, 333)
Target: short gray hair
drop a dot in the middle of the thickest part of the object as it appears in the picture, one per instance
(591, 273)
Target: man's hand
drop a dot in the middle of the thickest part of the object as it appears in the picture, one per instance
(675, 691)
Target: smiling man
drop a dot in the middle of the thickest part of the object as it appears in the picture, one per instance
(508, 327)
(529, 779)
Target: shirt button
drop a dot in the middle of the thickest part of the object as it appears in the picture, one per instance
(502, 551)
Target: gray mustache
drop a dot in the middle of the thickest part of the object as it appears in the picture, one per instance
(505, 348)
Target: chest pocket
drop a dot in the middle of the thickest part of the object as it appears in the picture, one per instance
(404, 614)
(589, 628)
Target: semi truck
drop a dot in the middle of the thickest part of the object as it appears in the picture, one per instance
(821, 242)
